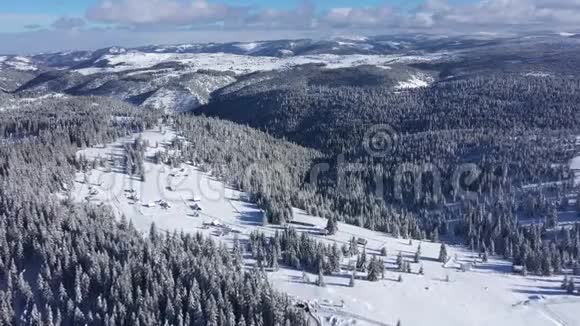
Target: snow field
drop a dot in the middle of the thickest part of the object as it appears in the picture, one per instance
(18, 63)
(242, 64)
(575, 167)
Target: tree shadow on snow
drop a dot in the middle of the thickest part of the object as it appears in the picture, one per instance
(545, 280)
(253, 218)
(544, 292)
(499, 268)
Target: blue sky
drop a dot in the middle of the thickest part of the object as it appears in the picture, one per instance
(49, 25)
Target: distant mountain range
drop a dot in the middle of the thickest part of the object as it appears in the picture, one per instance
(185, 77)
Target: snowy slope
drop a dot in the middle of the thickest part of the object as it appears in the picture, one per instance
(416, 81)
(487, 295)
(8, 102)
(17, 63)
(168, 88)
(242, 64)
(575, 165)
(171, 100)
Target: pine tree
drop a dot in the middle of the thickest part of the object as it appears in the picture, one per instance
(400, 261)
(352, 279)
(435, 236)
(418, 254)
(305, 277)
(345, 250)
(564, 285)
(320, 281)
(352, 276)
(374, 271)
(571, 289)
(546, 266)
(362, 261)
(332, 225)
(443, 254)
(353, 247)
(552, 218)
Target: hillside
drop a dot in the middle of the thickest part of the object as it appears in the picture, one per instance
(486, 294)
(156, 89)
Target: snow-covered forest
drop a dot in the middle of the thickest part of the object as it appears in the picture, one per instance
(155, 186)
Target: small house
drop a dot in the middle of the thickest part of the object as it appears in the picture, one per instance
(362, 241)
(196, 207)
(213, 223)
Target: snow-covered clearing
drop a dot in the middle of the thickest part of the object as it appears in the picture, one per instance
(575, 167)
(248, 46)
(538, 74)
(17, 63)
(486, 295)
(15, 103)
(416, 81)
(242, 64)
(567, 34)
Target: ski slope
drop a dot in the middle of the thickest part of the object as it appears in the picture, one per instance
(487, 295)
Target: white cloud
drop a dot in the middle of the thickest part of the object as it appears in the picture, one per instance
(68, 23)
(362, 17)
(170, 12)
(302, 17)
(494, 14)
(16, 22)
(498, 14)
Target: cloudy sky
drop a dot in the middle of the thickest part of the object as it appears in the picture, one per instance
(30, 26)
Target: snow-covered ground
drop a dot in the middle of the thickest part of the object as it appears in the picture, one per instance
(575, 165)
(17, 63)
(248, 46)
(567, 34)
(538, 74)
(487, 295)
(242, 64)
(416, 81)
